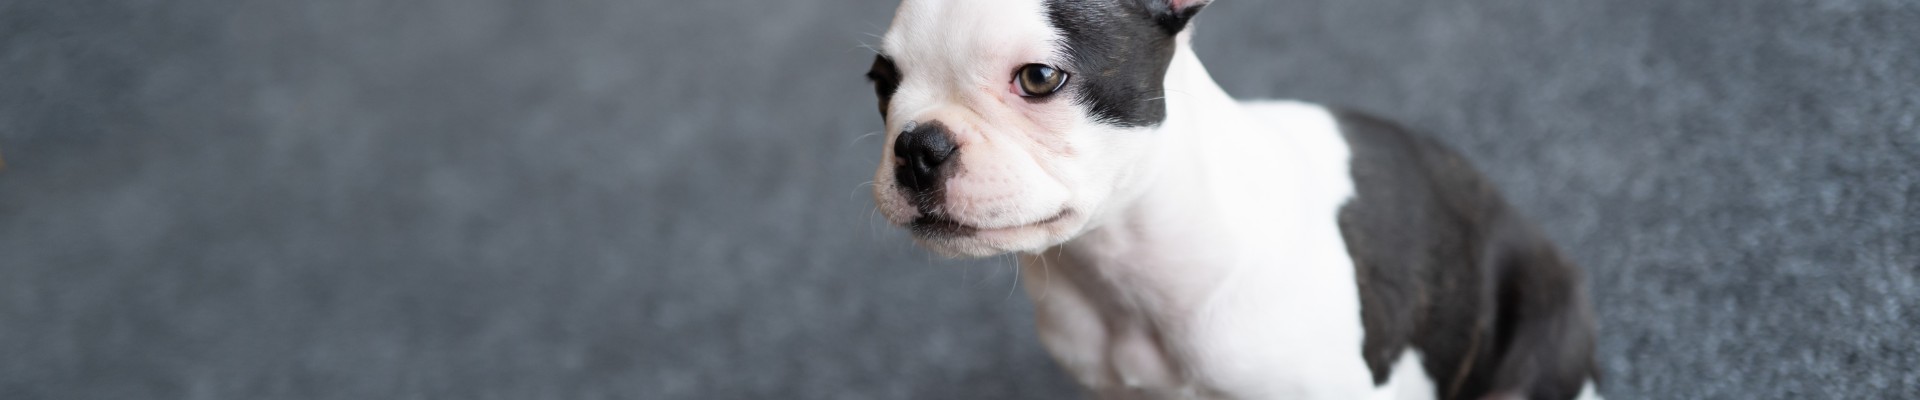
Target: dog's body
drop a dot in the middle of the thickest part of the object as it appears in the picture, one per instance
(1179, 244)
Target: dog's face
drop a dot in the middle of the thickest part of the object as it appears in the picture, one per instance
(1013, 124)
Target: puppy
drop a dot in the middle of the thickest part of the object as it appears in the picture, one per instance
(1179, 244)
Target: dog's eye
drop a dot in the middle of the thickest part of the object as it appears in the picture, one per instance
(1035, 80)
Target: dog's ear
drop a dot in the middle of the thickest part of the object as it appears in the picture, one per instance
(1173, 15)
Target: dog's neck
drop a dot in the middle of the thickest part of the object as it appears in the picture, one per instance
(1136, 236)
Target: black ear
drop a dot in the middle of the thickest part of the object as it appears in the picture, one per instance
(1173, 15)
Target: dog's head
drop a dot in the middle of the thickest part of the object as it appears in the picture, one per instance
(1013, 124)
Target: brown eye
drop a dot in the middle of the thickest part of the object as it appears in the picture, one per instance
(1035, 80)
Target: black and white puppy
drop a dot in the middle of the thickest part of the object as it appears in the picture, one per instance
(1180, 244)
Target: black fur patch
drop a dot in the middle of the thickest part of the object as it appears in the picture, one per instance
(1119, 52)
(1445, 266)
(1169, 19)
(886, 80)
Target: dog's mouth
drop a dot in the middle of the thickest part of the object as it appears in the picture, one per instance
(934, 225)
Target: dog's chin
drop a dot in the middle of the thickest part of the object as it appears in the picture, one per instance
(958, 240)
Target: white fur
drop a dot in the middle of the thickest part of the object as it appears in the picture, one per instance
(1408, 382)
(1199, 259)
(1587, 392)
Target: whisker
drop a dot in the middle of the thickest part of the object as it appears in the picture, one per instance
(1046, 277)
(864, 45)
(1015, 263)
(857, 140)
(856, 189)
(983, 279)
(872, 231)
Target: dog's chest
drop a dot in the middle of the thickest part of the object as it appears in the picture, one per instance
(1222, 289)
(1254, 331)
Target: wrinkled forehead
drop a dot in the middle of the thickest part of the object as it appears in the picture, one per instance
(955, 32)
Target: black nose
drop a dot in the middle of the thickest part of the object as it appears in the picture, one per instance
(923, 149)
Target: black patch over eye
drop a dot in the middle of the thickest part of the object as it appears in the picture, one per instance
(886, 80)
(1036, 80)
(1125, 51)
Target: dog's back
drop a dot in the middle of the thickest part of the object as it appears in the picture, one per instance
(1447, 268)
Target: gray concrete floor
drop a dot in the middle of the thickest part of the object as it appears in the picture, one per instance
(489, 199)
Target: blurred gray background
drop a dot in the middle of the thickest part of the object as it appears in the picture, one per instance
(595, 199)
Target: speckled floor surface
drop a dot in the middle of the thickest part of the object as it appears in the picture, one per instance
(489, 199)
